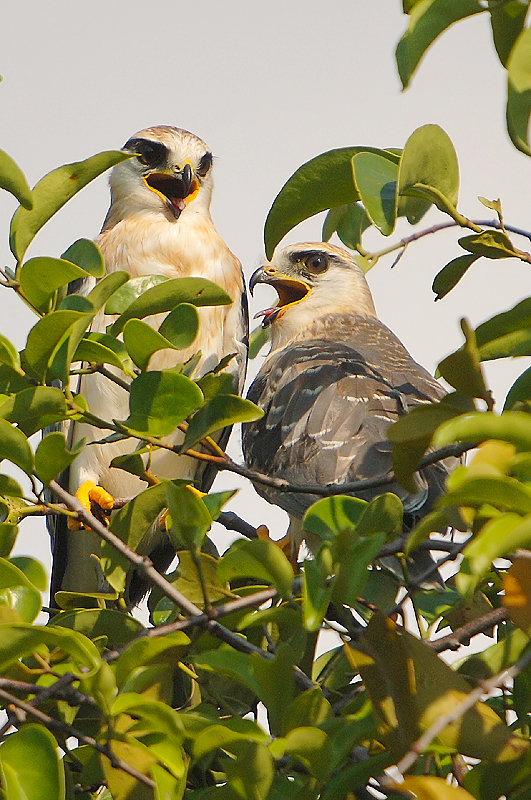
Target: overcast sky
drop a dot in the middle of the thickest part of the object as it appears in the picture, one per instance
(268, 86)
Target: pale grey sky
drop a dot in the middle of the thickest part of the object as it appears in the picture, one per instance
(268, 86)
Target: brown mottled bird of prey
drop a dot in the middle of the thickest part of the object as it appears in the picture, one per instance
(159, 223)
(335, 379)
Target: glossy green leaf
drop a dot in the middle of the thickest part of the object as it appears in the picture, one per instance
(159, 401)
(13, 180)
(35, 408)
(40, 277)
(310, 708)
(9, 487)
(149, 651)
(14, 446)
(32, 569)
(512, 426)
(462, 369)
(92, 351)
(520, 391)
(435, 196)
(428, 158)
(329, 516)
(186, 578)
(165, 296)
(375, 176)
(428, 787)
(451, 274)
(30, 765)
(312, 747)
(220, 411)
(167, 786)
(8, 537)
(133, 289)
(349, 222)
(9, 354)
(142, 341)
(131, 523)
(353, 557)
(52, 456)
(181, 325)
(19, 640)
(260, 559)
(411, 435)
(251, 773)
(106, 287)
(87, 255)
(519, 92)
(47, 336)
(316, 589)
(490, 244)
(190, 518)
(18, 592)
(276, 683)
(212, 385)
(428, 19)
(497, 537)
(505, 334)
(130, 462)
(227, 661)
(503, 492)
(258, 338)
(507, 24)
(52, 192)
(320, 184)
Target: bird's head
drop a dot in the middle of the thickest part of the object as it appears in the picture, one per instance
(170, 172)
(313, 280)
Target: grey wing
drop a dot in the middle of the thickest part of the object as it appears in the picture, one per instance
(327, 410)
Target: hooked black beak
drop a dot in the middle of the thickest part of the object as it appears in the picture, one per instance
(174, 187)
(290, 290)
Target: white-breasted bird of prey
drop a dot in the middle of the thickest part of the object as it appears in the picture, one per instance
(335, 379)
(158, 222)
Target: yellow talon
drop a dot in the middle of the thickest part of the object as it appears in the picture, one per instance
(88, 493)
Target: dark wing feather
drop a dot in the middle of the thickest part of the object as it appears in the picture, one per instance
(328, 403)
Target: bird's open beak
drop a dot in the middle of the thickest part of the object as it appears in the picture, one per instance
(290, 291)
(176, 188)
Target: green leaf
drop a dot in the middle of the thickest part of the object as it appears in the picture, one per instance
(30, 765)
(435, 196)
(260, 559)
(251, 773)
(428, 158)
(329, 516)
(258, 338)
(35, 408)
(507, 24)
(512, 426)
(506, 334)
(19, 640)
(167, 787)
(87, 255)
(9, 354)
(159, 401)
(9, 487)
(353, 557)
(13, 180)
(131, 523)
(52, 192)
(92, 350)
(349, 221)
(142, 341)
(312, 747)
(490, 244)
(451, 274)
(40, 277)
(462, 369)
(52, 456)
(316, 589)
(14, 446)
(276, 683)
(228, 661)
(149, 651)
(309, 708)
(375, 176)
(134, 288)
(33, 570)
(47, 336)
(320, 184)
(166, 295)
(428, 19)
(8, 537)
(181, 325)
(190, 518)
(220, 411)
(502, 492)
(107, 287)
(519, 92)
(497, 537)
(18, 592)
(519, 392)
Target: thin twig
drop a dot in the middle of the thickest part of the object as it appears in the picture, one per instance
(68, 730)
(463, 635)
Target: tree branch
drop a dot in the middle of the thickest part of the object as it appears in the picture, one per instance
(463, 635)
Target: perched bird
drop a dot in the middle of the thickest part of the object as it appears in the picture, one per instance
(335, 379)
(158, 222)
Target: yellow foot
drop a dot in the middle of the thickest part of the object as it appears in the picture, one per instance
(89, 493)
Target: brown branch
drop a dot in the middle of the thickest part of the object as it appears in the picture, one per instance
(67, 730)
(463, 635)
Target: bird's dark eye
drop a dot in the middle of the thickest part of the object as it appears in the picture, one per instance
(204, 165)
(150, 154)
(316, 263)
